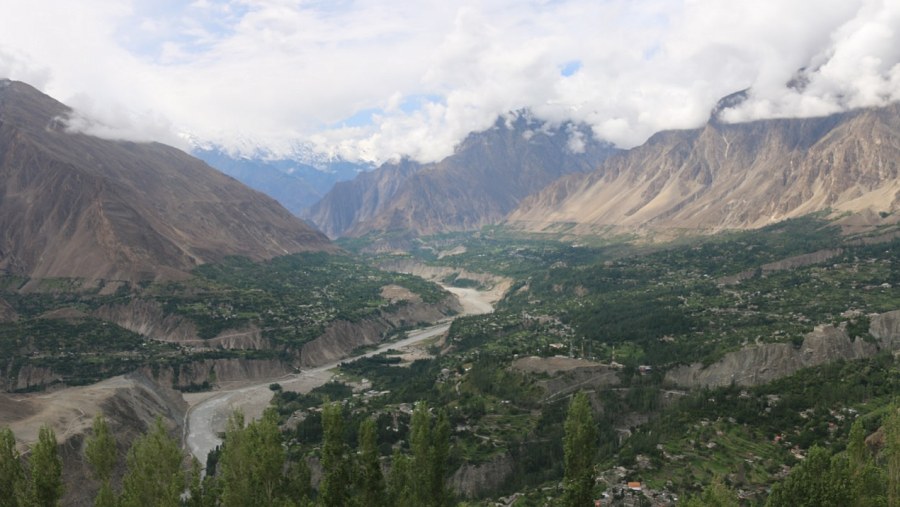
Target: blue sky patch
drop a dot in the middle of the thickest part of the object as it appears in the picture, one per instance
(570, 68)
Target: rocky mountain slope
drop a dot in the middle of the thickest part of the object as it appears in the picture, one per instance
(73, 205)
(485, 179)
(732, 176)
(360, 199)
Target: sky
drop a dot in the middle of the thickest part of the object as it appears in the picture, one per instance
(378, 79)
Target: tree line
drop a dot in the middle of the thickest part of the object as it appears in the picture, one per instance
(253, 468)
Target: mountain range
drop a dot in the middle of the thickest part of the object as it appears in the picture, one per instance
(488, 175)
(717, 177)
(731, 176)
(73, 205)
(296, 181)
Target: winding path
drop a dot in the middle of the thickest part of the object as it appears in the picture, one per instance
(206, 419)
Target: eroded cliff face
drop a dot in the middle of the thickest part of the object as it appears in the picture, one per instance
(25, 378)
(886, 328)
(213, 372)
(342, 337)
(763, 363)
(147, 318)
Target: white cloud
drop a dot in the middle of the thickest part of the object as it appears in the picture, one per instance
(270, 72)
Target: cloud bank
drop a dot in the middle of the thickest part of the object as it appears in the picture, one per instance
(380, 79)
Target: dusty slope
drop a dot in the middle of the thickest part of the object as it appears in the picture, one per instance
(130, 403)
(73, 205)
(732, 176)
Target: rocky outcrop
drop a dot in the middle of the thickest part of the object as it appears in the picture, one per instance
(211, 372)
(763, 363)
(886, 329)
(475, 481)
(341, 337)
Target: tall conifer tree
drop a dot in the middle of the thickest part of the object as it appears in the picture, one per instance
(46, 487)
(12, 475)
(579, 446)
(371, 479)
(154, 476)
(334, 490)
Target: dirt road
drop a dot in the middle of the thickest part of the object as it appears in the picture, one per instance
(206, 418)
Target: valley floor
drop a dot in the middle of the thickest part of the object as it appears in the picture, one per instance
(208, 414)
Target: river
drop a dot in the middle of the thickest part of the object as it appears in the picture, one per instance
(206, 418)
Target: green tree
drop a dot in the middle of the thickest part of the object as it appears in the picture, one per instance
(856, 445)
(252, 461)
(102, 454)
(233, 470)
(268, 457)
(105, 496)
(868, 481)
(420, 445)
(400, 491)
(818, 481)
(579, 446)
(717, 494)
(46, 487)
(154, 475)
(334, 490)
(892, 455)
(371, 479)
(195, 485)
(298, 483)
(440, 453)
(100, 450)
(12, 475)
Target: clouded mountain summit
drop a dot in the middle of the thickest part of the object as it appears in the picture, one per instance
(486, 177)
(73, 205)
